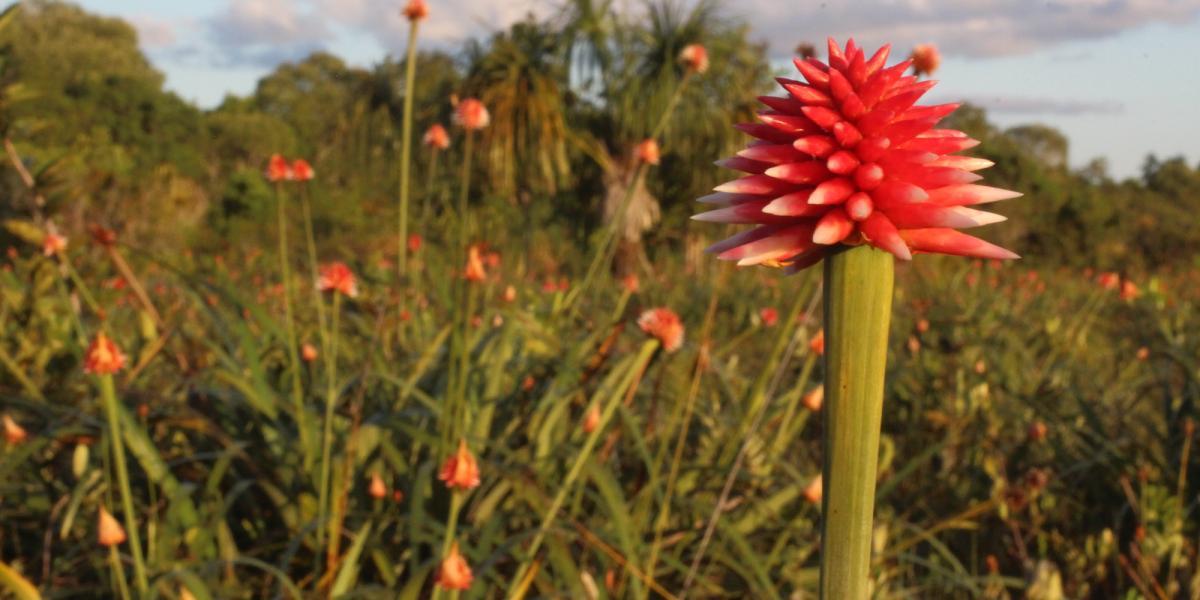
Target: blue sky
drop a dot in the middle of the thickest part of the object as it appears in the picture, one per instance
(1119, 77)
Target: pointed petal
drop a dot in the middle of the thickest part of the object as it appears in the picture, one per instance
(744, 237)
(832, 191)
(790, 124)
(877, 60)
(965, 195)
(815, 145)
(799, 172)
(744, 165)
(833, 227)
(966, 163)
(726, 199)
(882, 234)
(806, 259)
(814, 74)
(918, 216)
(786, 242)
(892, 192)
(931, 177)
(765, 132)
(837, 59)
(789, 106)
(808, 94)
(775, 154)
(949, 241)
(742, 214)
(794, 205)
(756, 184)
(824, 117)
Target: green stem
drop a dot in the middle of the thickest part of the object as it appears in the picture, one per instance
(108, 395)
(858, 304)
(410, 73)
(114, 560)
(327, 436)
(293, 356)
(314, 268)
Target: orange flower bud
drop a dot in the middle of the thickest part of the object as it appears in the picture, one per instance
(460, 469)
(377, 489)
(694, 58)
(337, 277)
(436, 137)
(103, 357)
(814, 399)
(647, 151)
(454, 572)
(591, 420)
(302, 171)
(13, 432)
(416, 10)
(471, 114)
(109, 531)
(814, 489)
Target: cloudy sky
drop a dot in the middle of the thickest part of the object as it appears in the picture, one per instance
(1118, 76)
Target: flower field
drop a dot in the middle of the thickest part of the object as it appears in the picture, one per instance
(508, 369)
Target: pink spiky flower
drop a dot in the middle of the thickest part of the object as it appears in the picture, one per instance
(662, 323)
(278, 169)
(647, 151)
(847, 158)
(925, 59)
(471, 114)
(416, 10)
(694, 57)
(302, 171)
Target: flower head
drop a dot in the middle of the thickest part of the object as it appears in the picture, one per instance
(278, 169)
(664, 324)
(454, 572)
(308, 352)
(471, 114)
(416, 10)
(847, 159)
(460, 469)
(817, 343)
(302, 171)
(769, 316)
(109, 531)
(591, 419)
(925, 59)
(694, 58)
(337, 277)
(103, 357)
(647, 151)
(436, 137)
(103, 236)
(377, 489)
(13, 432)
(474, 270)
(414, 242)
(814, 490)
(814, 399)
(53, 244)
(630, 283)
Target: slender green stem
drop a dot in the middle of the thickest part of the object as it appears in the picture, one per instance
(293, 354)
(114, 561)
(108, 395)
(858, 305)
(627, 385)
(327, 435)
(318, 302)
(410, 73)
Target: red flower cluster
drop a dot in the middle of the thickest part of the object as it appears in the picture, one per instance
(279, 169)
(848, 158)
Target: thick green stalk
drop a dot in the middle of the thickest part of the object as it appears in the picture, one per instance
(108, 395)
(858, 305)
(410, 74)
(293, 355)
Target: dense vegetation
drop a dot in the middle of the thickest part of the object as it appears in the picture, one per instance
(1038, 426)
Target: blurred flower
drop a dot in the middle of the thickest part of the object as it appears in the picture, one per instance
(1129, 290)
(817, 343)
(103, 357)
(694, 58)
(416, 10)
(922, 326)
(814, 489)
(397, 496)
(109, 531)
(13, 432)
(980, 367)
(925, 59)
(806, 50)
(1037, 431)
(471, 114)
(510, 294)
(460, 469)
(492, 259)
(914, 345)
(814, 399)
(103, 235)
(993, 564)
(528, 383)
(474, 270)
(647, 151)
(414, 242)
(302, 171)
(184, 594)
(769, 316)
(278, 169)
(405, 315)
(1143, 353)
(848, 159)
(53, 244)
(591, 420)
(308, 352)
(454, 572)
(1109, 280)
(630, 283)
(337, 277)
(377, 489)
(436, 137)
(664, 324)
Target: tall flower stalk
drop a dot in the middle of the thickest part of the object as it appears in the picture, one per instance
(103, 359)
(278, 171)
(848, 169)
(336, 278)
(415, 12)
